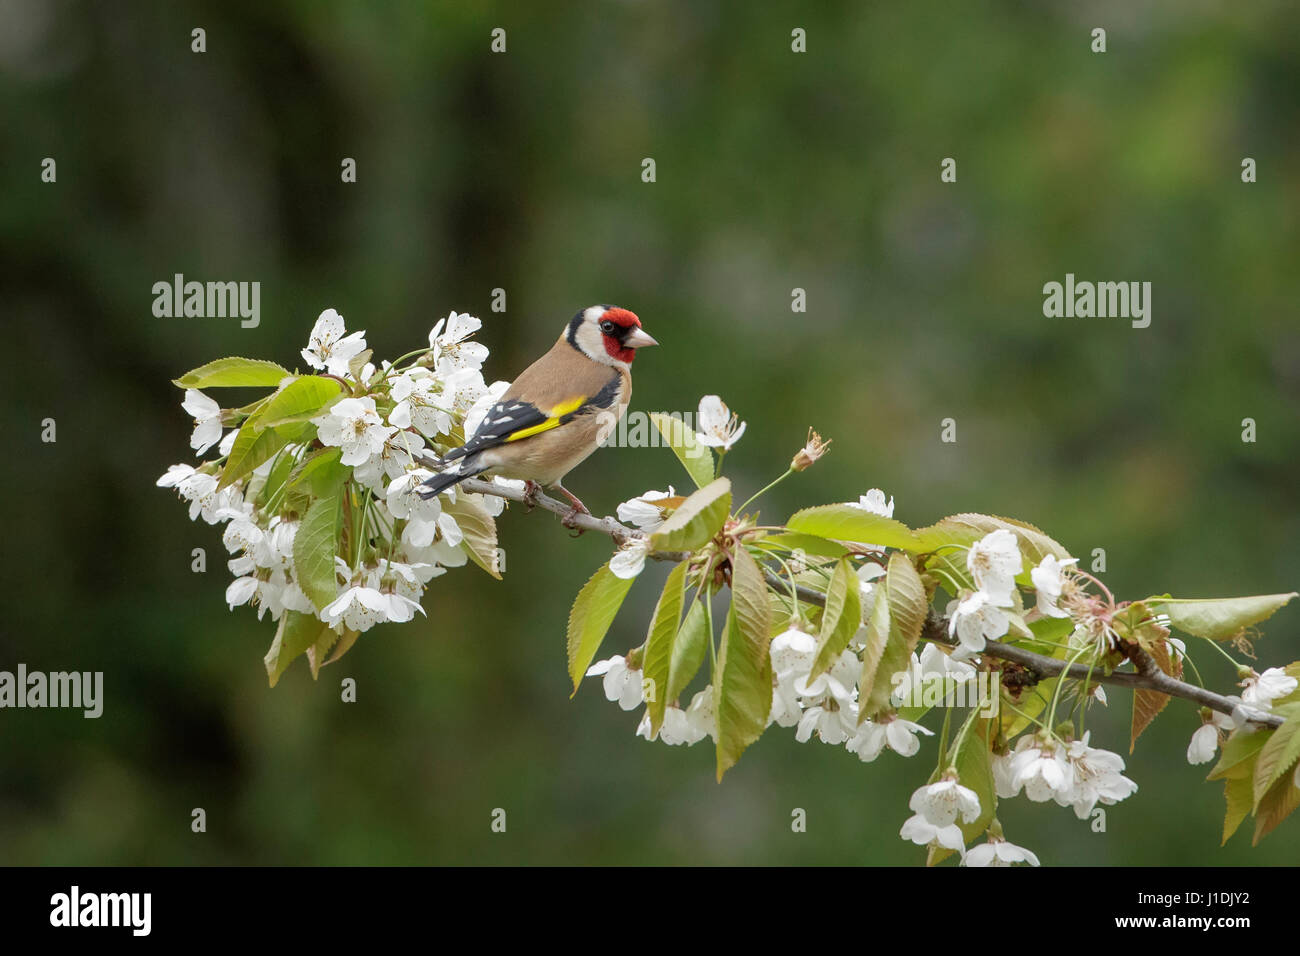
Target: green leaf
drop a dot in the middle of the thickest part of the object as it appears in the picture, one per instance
(322, 472)
(809, 544)
(296, 633)
(697, 459)
(1221, 619)
(892, 632)
(949, 569)
(301, 400)
(873, 653)
(253, 447)
(974, 763)
(1275, 807)
(742, 689)
(1029, 703)
(1240, 751)
(965, 529)
(233, 373)
(841, 618)
(1279, 753)
(1236, 794)
(280, 472)
(1049, 634)
(314, 548)
(480, 532)
(851, 523)
(699, 518)
(317, 653)
(656, 663)
(590, 617)
(689, 647)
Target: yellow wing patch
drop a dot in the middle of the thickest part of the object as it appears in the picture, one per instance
(566, 407)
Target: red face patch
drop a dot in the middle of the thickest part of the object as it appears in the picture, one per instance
(623, 321)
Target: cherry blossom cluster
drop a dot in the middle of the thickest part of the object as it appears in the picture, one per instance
(385, 422)
(1041, 765)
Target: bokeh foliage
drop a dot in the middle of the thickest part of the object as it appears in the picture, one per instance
(521, 171)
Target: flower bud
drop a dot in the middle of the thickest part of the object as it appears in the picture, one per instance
(810, 452)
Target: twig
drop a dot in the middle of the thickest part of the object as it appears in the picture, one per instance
(1148, 676)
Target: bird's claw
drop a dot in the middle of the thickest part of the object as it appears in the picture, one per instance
(569, 521)
(531, 490)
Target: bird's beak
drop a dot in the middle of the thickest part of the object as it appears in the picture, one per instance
(639, 339)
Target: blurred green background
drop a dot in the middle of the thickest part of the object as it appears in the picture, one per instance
(521, 170)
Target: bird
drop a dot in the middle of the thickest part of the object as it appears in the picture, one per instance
(557, 412)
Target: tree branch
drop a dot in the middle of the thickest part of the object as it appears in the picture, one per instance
(1148, 676)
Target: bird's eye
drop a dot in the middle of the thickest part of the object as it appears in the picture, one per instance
(607, 327)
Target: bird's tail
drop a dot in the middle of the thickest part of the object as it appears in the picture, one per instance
(466, 467)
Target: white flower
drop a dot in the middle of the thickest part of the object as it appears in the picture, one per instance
(939, 803)
(717, 426)
(793, 653)
(420, 403)
(207, 420)
(1004, 784)
(922, 832)
(977, 620)
(451, 352)
(358, 608)
(1260, 690)
(834, 725)
(353, 425)
(174, 475)
(1096, 778)
(396, 454)
(899, 734)
(1049, 581)
(826, 704)
(474, 398)
(994, 561)
(622, 683)
(700, 719)
(328, 349)
(1203, 744)
(643, 512)
(241, 591)
(1041, 770)
(837, 682)
(936, 662)
(867, 575)
(998, 853)
(629, 560)
(423, 515)
(874, 501)
(688, 726)
(496, 504)
(200, 490)
(242, 534)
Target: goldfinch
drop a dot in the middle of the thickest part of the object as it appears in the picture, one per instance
(558, 410)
